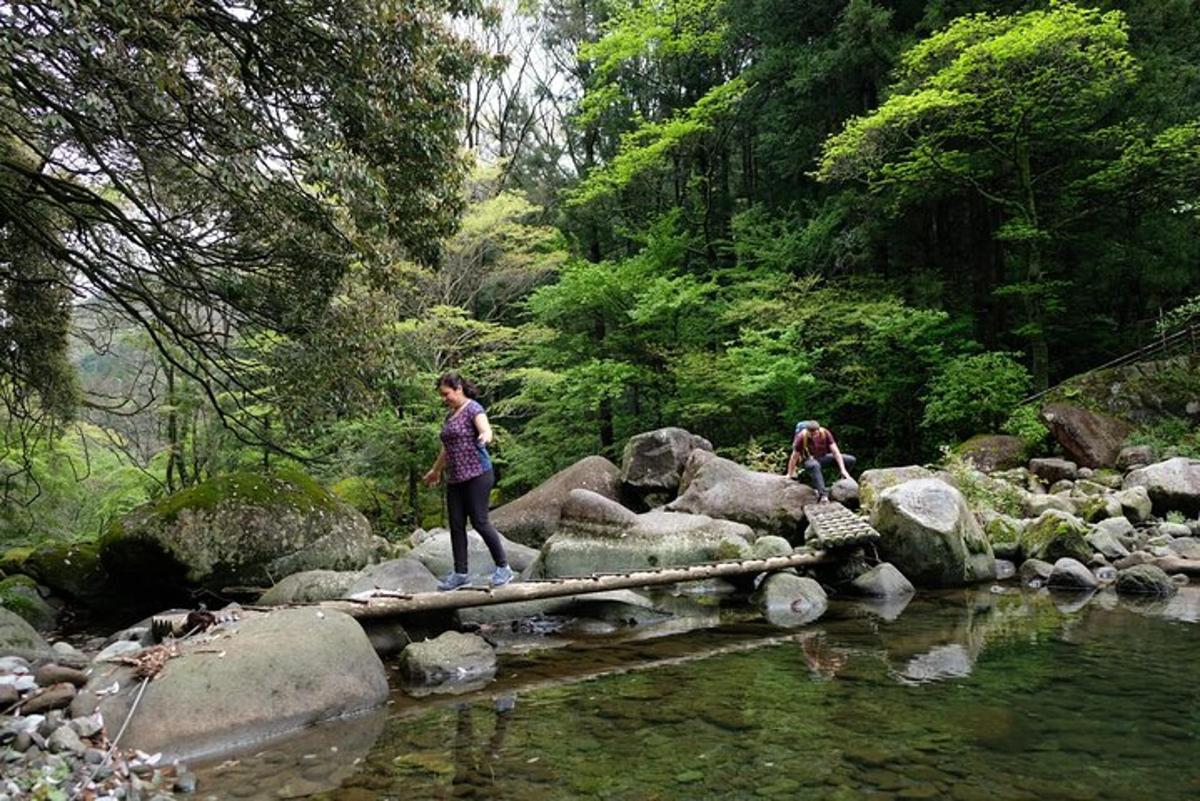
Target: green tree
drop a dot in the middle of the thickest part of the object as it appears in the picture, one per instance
(973, 394)
(206, 167)
(1025, 111)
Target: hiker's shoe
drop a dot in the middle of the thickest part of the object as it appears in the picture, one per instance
(824, 499)
(501, 576)
(453, 581)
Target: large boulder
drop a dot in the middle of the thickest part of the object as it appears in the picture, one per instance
(1054, 535)
(990, 452)
(720, 488)
(436, 553)
(873, 482)
(787, 600)
(1173, 485)
(237, 529)
(309, 586)
(930, 535)
(72, 570)
(1090, 439)
(283, 670)
(1135, 504)
(20, 594)
(597, 535)
(534, 516)
(652, 462)
(407, 575)
(18, 638)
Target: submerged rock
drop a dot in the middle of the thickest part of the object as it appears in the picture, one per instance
(787, 600)
(451, 657)
(931, 536)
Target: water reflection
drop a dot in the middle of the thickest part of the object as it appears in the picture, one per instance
(476, 754)
(967, 695)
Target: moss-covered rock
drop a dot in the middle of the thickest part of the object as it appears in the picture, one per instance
(13, 560)
(1100, 507)
(991, 452)
(20, 594)
(1055, 535)
(243, 529)
(70, 569)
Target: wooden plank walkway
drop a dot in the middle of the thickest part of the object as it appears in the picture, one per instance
(389, 604)
(832, 525)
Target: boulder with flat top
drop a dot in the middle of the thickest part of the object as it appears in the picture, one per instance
(723, 489)
(597, 535)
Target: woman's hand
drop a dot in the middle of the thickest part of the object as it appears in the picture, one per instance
(431, 478)
(485, 438)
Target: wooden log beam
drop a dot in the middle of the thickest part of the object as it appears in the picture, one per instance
(389, 605)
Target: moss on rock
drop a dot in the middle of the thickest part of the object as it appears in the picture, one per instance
(241, 528)
(20, 594)
(70, 569)
(1054, 535)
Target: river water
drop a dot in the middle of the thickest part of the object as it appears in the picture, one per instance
(976, 695)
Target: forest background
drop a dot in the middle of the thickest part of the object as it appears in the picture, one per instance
(249, 235)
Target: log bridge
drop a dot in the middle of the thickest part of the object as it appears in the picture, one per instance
(832, 528)
(384, 603)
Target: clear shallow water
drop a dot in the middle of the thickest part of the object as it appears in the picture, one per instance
(963, 696)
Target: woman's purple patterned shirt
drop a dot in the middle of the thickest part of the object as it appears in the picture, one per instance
(465, 457)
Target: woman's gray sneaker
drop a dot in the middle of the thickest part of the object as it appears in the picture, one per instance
(501, 576)
(453, 581)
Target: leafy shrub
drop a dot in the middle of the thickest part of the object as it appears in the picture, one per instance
(980, 491)
(1170, 435)
(1025, 423)
(974, 394)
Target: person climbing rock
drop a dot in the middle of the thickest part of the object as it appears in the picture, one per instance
(464, 457)
(815, 448)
